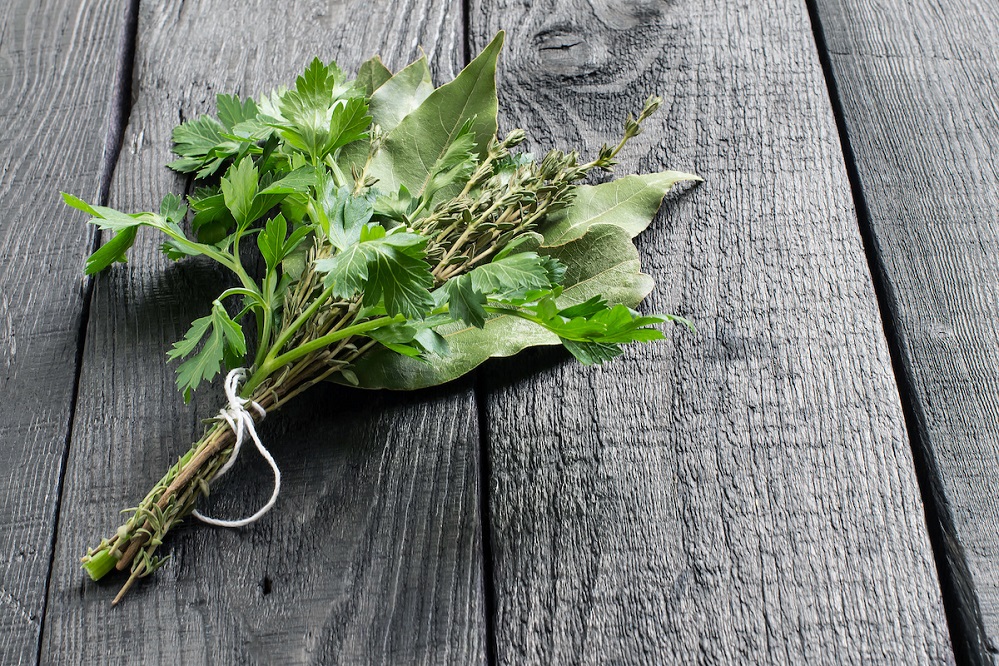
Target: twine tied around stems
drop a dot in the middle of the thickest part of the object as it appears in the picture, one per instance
(241, 421)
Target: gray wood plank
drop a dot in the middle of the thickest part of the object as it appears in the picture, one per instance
(57, 67)
(746, 495)
(372, 554)
(918, 95)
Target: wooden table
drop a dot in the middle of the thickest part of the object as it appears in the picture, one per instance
(811, 479)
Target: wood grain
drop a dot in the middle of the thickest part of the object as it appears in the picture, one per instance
(57, 66)
(745, 495)
(373, 552)
(918, 96)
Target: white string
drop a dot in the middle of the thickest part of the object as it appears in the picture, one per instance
(240, 420)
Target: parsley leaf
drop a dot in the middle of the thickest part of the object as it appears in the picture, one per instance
(112, 251)
(239, 187)
(174, 210)
(212, 221)
(513, 280)
(197, 138)
(108, 218)
(512, 277)
(465, 302)
(322, 113)
(233, 112)
(247, 202)
(592, 353)
(270, 241)
(411, 340)
(346, 215)
(594, 332)
(315, 91)
(349, 122)
(224, 343)
(389, 268)
(203, 146)
(274, 242)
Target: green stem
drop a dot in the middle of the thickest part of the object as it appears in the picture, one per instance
(517, 312)
(240, 291)
(329, 338)
(206, 250)
(244, 277)
(271, 365)
(263, 343)
(419, 209)
(100, 564)
(236, 267)
(318, 215)
(264, 335)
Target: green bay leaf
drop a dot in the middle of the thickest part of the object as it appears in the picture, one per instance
(410, 151)
(630, 203)
(603, 261)
(372, 74)
(401, 95)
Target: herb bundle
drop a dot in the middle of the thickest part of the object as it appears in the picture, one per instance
(401, 243)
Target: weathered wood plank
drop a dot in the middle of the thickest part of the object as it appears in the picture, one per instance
(746, 495)
(57, 67)
(918, 96)
(373, 552)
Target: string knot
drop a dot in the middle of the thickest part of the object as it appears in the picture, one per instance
(240, 420)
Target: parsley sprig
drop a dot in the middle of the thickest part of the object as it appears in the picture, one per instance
(401, 242)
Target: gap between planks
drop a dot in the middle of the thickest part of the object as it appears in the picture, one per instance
(963, 614)
(121, 106)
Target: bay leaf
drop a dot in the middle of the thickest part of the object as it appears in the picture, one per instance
(372, 74)
(410, 151)
(401, 95)
(630, 203)
(602, 261)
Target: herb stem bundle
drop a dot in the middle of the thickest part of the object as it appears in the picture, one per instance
(394, 254)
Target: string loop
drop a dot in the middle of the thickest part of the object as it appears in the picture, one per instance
(240, 420)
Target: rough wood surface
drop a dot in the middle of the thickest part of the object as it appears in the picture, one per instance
(918, 94)
(746, 495)
(57, 65)
(373, 552)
